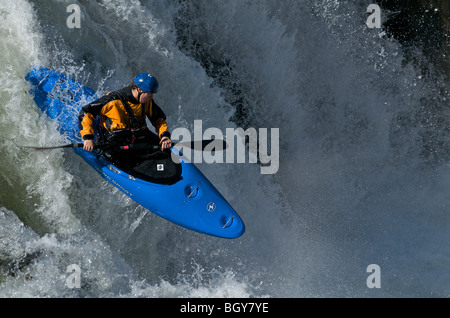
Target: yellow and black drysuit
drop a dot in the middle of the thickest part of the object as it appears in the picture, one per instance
(114, 115)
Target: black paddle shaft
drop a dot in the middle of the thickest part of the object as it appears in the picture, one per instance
(202, 145)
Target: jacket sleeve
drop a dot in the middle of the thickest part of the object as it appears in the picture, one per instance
(158, 120)
(88, 114)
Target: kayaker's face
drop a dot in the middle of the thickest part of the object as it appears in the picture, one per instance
(145, 97)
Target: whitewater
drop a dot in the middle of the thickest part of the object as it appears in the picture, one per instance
(363, 176)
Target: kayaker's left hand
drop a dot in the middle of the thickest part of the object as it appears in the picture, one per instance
(165, 143)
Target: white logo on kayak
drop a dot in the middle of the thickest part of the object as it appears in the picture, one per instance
(160, 167)
(211, 207)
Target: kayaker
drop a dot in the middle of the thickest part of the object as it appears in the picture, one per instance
(123, 115)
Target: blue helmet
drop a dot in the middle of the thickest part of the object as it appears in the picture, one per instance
(146, 82)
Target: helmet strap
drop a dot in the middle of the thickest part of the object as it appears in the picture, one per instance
(139, 95)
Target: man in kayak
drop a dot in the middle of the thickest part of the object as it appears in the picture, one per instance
(123, 116)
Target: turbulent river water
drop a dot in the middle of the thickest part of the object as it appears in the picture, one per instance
(363, 173)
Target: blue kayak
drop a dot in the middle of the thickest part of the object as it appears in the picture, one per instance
(189, 200)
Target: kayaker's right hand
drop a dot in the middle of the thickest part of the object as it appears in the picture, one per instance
(88, 145)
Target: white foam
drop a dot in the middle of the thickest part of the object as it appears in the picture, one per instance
(348, 192)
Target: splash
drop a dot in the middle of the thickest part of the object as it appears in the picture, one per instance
(363, 149)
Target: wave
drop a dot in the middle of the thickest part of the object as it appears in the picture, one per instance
(363, 153)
